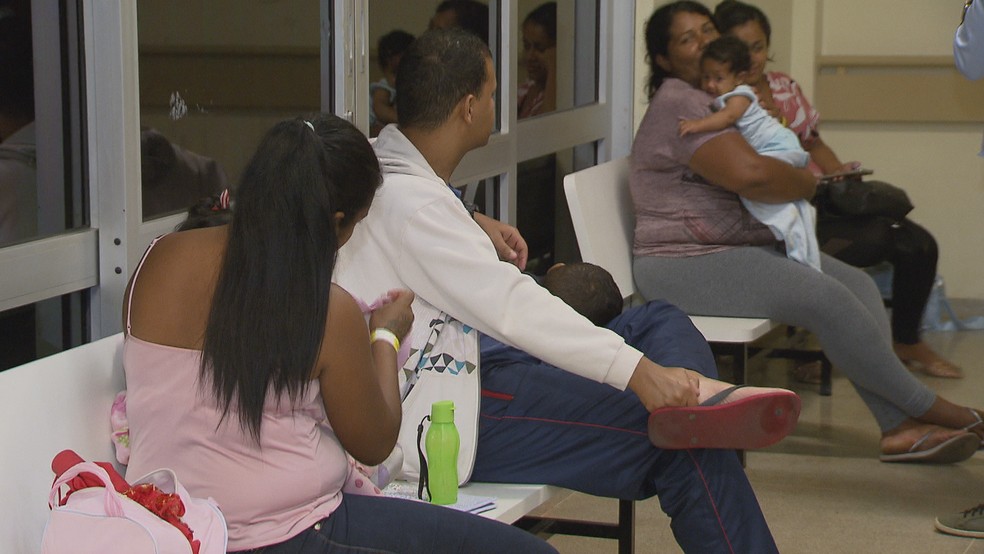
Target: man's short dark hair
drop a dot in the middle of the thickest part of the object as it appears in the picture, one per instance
(439, 69)
(587, 288)
(730, 50)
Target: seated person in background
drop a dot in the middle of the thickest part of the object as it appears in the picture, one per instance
(251, 375)
(724, 67)
(587, 288)
(382, 94)
(862, 241)
(579, 397)
(469, 15)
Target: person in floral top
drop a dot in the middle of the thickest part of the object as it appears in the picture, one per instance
(861, 241)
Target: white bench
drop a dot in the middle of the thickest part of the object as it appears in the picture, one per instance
(601, 211)
(63, 402)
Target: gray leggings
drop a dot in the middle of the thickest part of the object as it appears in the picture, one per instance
(841, 306)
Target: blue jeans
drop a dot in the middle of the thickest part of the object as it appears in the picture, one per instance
(540, 424)
(364, 524)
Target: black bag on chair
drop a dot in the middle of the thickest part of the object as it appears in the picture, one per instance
(855, 197)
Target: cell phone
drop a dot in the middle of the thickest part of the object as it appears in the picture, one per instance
(845, 175)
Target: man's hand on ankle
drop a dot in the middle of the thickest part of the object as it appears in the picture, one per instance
(658, 386)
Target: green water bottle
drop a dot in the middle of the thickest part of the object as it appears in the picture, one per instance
(442, 454)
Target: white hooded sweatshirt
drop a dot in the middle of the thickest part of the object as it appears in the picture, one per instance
(419, 236)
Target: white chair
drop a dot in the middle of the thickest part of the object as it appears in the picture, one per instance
(602, 213)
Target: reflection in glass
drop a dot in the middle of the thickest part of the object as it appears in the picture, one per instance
(18, 152)
(41, 182)
(539, 34)
(558, 56)
(387, 17)
(41, 329)
(214, 75)
(542, 215)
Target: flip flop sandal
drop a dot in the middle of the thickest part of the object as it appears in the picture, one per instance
(979, 421)
(753, 422)
(953, 450)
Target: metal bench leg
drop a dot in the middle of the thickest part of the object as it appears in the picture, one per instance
(626, 527)
(826, 389)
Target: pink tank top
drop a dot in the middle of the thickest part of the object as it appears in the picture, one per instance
(268, 492)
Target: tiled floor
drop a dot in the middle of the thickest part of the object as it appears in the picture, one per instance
(823, 489)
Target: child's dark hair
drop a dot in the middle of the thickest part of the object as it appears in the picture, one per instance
(587, 288)
(730, 50)
(392, 44)
(210, 211)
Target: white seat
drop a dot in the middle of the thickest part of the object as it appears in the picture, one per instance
(63, 402)
(602, 213)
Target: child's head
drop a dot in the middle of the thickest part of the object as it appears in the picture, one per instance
(724, 65)
(391, 47)
(587, 288)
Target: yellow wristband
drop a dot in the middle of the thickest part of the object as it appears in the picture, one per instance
(385, 335)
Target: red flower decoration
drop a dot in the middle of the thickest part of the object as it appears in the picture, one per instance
(166, 506)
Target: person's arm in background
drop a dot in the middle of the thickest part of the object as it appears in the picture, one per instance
(968, 43)
(729, 162)
(824, 156)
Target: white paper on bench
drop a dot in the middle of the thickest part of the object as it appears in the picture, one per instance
(407, 490)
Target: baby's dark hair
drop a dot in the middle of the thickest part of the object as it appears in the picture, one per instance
(587, 288)
(210, 211)
(392, 44)
(730, 50)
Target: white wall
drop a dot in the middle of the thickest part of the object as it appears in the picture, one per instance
(935, 163)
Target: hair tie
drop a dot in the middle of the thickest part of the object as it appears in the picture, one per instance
(309, 124)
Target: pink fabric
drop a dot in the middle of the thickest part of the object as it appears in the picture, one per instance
(801, 117)
(269, 492)
(536, 103)
(677, 212)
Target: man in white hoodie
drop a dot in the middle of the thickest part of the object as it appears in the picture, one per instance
(582, 427)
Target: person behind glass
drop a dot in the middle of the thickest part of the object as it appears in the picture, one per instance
(469, 15)
(18, 151)
(861, 241)
(724, 67)
(538, 95)
(250, 374)
(696, 246)
(382, 94)
(968, 42)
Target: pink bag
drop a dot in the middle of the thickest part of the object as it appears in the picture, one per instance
(101, 520)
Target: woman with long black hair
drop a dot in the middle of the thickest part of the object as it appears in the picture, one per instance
(250, 374)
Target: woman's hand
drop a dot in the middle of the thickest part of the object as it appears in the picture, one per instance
(395, 314)
(764, 94)
(658, 386)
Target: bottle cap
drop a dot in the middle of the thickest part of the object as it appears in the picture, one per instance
(442, 411)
